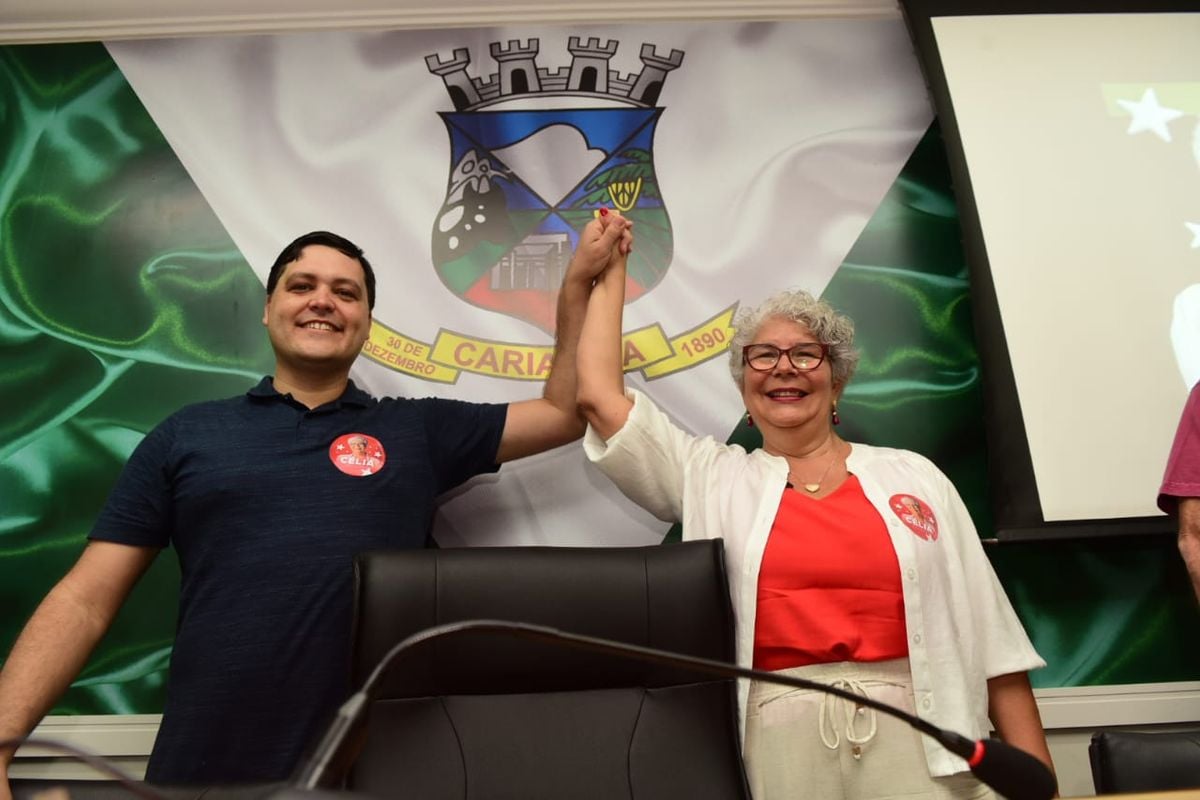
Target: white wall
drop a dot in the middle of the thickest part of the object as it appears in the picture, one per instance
(30, 21)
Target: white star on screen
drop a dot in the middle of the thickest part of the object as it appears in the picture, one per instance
(1194, 227)
(1147, 115)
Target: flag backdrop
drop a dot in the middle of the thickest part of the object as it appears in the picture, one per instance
(147, 186)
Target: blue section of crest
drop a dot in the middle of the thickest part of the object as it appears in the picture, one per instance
(604, 128)
(475, 136)
(553, 223)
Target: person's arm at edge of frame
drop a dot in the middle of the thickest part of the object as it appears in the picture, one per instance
(60, 635)
(533, 426)
(1014, 713)
(602, 399)
(1189, 539)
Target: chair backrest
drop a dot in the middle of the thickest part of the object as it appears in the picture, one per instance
(1127, 761)
(490, 715)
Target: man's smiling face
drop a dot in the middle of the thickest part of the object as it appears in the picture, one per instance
(318, 317)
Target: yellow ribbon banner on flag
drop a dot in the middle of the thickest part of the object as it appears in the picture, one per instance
(404, 354)
(524, 362)
(647, 350)
(707, 340)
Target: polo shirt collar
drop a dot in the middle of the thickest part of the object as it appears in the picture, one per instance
(352, 396)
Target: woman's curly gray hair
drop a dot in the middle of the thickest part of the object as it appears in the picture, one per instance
(831, 328)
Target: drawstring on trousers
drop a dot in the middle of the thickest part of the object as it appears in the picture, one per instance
(854, 713)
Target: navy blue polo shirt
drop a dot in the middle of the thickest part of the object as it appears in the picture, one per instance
(266, 504)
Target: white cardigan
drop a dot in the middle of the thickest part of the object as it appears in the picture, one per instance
(961, 628)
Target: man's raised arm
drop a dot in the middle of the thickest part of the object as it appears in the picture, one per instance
(553, 419)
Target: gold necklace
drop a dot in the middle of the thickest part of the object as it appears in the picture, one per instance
(813, 488)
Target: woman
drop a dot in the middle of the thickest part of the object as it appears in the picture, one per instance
(848, 564)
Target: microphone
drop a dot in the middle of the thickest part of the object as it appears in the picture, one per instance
(1008, 770)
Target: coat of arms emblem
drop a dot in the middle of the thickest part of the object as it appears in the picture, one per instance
(534, 153)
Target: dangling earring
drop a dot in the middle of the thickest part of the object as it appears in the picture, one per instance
(749, 420)
(836, 419)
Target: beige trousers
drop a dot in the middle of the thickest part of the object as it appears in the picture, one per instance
(806, 744)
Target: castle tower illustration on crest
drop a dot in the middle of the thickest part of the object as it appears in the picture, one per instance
(589, 74)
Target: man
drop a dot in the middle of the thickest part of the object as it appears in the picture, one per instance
(262, 645)
(1180, 490)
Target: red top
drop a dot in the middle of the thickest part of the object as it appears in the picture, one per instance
(829, 586)
(1182, 478)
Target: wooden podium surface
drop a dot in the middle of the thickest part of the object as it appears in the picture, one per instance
(1177, 794)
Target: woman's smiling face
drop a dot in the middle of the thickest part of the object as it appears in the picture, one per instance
(784, 397)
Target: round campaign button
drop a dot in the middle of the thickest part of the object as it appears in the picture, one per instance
(916, 514)
(357, 454)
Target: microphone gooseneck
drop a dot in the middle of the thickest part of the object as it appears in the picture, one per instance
(1010, 771)
(96, 762)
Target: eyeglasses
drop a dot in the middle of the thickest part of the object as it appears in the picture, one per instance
(804, 357)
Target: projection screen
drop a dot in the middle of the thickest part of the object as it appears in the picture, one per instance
(1074, 140)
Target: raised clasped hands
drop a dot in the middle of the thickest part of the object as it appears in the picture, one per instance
(605, 240)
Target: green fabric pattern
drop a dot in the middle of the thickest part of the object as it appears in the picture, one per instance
(122, 298)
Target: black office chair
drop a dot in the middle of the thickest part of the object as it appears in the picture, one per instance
(1125, 761)
(486, 715)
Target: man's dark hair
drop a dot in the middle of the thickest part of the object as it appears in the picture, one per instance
(327, 239)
